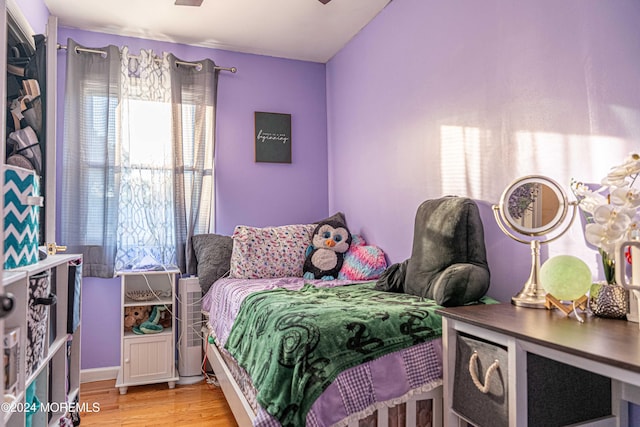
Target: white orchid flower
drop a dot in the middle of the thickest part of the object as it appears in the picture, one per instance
(582, 190)
(626, 196)
(579, 189)
(632, 163)
(617, 175)
(615, 180)
(611, 224)
(612, 210)
(592, 201)
(601, 237)
(613, 216)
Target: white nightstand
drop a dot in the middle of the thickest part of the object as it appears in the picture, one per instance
(147, 358)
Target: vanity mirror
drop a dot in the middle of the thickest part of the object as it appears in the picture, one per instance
(533, 210)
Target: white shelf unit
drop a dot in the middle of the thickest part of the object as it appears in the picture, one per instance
(57, 375)
(148, 358)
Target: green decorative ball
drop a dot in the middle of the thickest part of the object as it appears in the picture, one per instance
(565, 277)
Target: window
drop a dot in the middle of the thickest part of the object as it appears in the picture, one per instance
(137, 158)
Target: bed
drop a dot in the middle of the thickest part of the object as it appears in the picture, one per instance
(290, 351)
(399, 388)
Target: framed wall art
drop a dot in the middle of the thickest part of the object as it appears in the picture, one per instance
(273, 137)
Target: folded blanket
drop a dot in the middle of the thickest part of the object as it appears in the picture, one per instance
(293, 344)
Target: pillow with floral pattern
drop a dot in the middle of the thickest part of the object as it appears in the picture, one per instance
(269, 252)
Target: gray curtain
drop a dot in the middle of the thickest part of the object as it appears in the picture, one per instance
(193, 97)
(90, 166)
(91, 156)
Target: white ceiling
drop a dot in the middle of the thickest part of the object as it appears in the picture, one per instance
(296, 29)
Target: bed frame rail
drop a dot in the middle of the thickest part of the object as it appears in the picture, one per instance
(244, 414)
(241, 409)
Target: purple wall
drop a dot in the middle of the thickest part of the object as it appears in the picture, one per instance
(249, 193)
(461, 97)
(36, 13)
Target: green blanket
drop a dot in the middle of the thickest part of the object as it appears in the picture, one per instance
(294, 344)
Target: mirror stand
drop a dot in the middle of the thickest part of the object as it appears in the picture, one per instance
(532, 294)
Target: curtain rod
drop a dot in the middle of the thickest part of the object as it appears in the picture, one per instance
(190, 64)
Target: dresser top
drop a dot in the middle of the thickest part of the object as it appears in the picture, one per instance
(613, 342)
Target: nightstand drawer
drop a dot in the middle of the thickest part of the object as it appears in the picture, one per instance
(480, 382)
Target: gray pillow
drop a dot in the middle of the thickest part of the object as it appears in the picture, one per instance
(448, 260)
(213, 255)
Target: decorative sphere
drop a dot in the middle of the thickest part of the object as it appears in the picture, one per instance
(565, 277)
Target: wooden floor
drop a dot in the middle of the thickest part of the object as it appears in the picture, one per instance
(199, 404)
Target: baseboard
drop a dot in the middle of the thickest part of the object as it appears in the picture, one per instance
(99, 374)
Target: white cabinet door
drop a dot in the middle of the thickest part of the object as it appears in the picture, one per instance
(148, 358)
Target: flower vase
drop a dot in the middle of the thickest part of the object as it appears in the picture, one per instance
(607, 298)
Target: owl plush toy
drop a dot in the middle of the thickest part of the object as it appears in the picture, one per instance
(329, 242)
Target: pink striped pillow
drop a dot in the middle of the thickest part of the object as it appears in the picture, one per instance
(362, 261)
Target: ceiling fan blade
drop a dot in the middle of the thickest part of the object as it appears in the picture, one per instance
(324, 1)
(188, 2)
